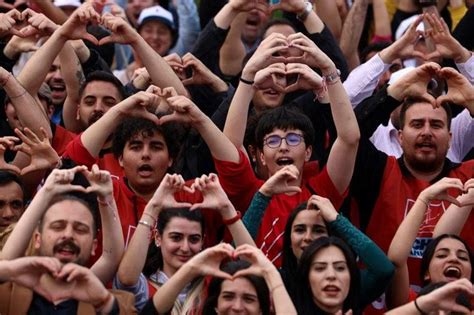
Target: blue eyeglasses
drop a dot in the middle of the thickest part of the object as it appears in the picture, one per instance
(292, 139)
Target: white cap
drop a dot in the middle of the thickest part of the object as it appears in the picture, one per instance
(156, 13)
(67, 3)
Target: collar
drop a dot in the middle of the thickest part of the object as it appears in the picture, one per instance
(448, 166)
(160, 278)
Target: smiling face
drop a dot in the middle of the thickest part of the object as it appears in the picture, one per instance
(67, 233)
(180, 241)
(56, 82)
(307, 226)
(238, 296)
(425, 137)
(97, 98)
(330, 279)
(145, 160)
(276, 158)
(450, 262)
(158, 36)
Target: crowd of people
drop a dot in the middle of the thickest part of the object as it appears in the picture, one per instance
(236, 157)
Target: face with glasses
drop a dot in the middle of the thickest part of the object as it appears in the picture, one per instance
(284, 147)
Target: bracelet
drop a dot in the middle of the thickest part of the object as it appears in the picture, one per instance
(332, 78)
(106, 201)
(230, 221)
(419, 309)
(146, 223)
(150, 216)
(19, 95)
(246, 81)
(98, 307)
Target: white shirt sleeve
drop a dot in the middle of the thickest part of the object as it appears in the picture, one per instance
(462, 128)
(467, 69)
(363, 80)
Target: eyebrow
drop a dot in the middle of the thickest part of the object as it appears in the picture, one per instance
(325, 262)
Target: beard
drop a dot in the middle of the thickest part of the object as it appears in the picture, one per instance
(425, 165)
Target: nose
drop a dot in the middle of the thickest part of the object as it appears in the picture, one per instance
(145, 152)
(7, 213)
(330, 273)
(185, 248)
(308, 236)
(68, 232)
(99, 107)
(57, 74)
(237, 305)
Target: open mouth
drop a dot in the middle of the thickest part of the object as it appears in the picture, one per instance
(284, 161)
(57, 88)
(145, 170)
(428, 145)
(331, 289)
(452, 272)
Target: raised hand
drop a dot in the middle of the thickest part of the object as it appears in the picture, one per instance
(446, 45)
(164, 195)
(283, 181)
(266, 54)
(122, 32)
(59, 181)
(184, 111)
(260, 264)
(246, 6)
(9, 21)
(307, 79)
(80, 283)
(5, 144)
(294, 6)
(214, 196)
(43, 156)
(199, 73)
(137, 105)
(271, 77)
(161, 105)
(39, 24)
(312, 55)
(325, 207)
(76, 26)
(460, 90)
(439, 191)
(100, 181)
(467, 198)
(27, 271)
(415, 83)
(209, 260)
(141, 78)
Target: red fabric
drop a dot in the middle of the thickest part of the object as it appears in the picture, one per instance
(61, 138)
(79, 154)
(397, 195)
(240, 184)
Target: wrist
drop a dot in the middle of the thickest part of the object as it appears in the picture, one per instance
(10, 51)
(106, 302)
(463, 56)
(328, 68)
(422, 305)
(105, 200)
(265, 191)
(228, 212)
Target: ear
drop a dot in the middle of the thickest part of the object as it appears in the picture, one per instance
(262, 158)
(120, 159)
(78, 115)
(427, 276)
(450, 139)
(308, 152)
(37, 239)
(158, 240)
(170, 162)
(400, 136)
(94, 246)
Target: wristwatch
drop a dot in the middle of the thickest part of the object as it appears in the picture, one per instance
(307, 10)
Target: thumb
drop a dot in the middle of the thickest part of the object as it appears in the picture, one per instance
(30, 168)
(105, 40)
(92, 38)
(442, 99)
(294, 189)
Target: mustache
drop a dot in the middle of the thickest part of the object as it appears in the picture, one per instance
(67, 244)
(95, 117)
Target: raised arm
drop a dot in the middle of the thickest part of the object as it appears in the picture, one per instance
(216, 199)
(261, 266)
(401, 244)
(29, 112)
(205, 263)
(185, 111)
(112, 241)
(95, 136)
(453, 219)
(342, 156)
(135, 256)
(236, 121)
(123, 33)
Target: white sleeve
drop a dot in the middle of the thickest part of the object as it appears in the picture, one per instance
(462, 128)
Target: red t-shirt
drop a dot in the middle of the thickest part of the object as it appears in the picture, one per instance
(240, 184)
